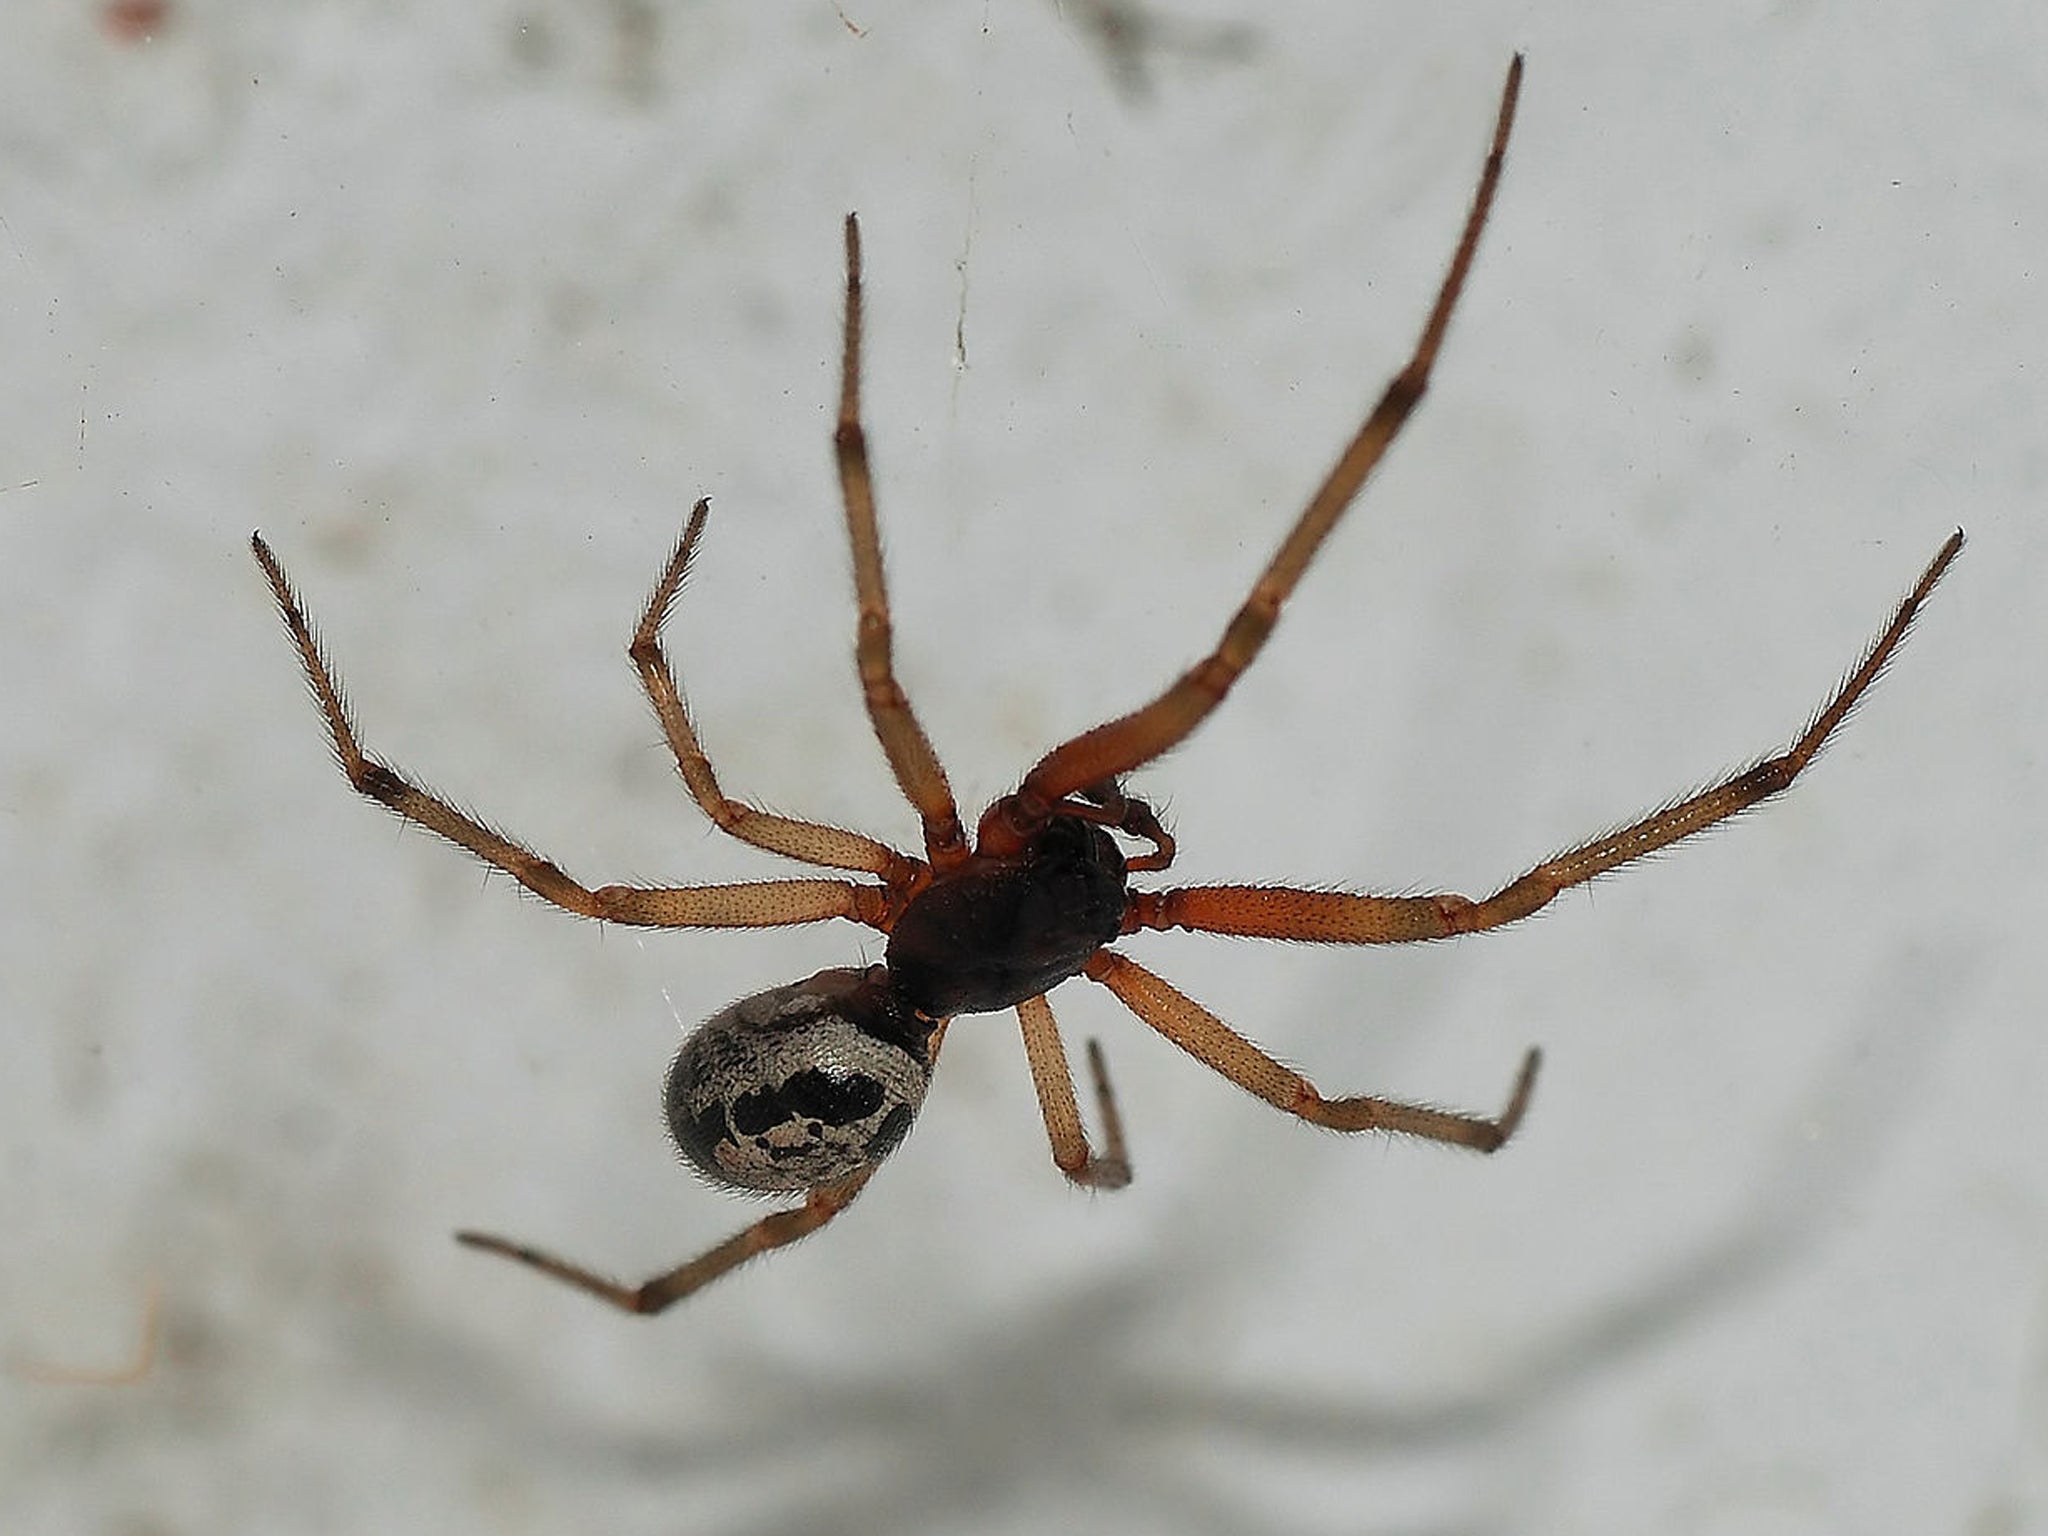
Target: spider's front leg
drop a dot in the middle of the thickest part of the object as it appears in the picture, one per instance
(665, 1290)
(911, 756)
(1130, 741)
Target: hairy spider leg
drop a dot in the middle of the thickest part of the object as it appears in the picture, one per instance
(1050, 1075)
(758, 904)
(1222, 1049)
(904, 743)
(808, 841)
(1340, 917)
(666, 1289)
(1132, 740)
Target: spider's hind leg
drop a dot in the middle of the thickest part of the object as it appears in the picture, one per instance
(665, 1290)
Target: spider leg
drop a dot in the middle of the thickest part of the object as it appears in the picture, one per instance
(665, 1290)
(1132, 740)
(767, 903)
(1216, 1045)
(1337, 917)
(808, 841)
(904, 743)
(1055, 1084)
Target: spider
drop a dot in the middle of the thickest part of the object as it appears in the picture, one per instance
(804, 1089)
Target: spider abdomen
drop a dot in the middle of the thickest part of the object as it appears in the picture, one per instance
(799, 1085)
(997, 931)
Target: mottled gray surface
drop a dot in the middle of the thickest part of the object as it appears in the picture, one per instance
(463, 305)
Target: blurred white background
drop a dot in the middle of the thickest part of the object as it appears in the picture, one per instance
(464, 304)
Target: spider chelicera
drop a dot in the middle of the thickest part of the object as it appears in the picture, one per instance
(804, 1089)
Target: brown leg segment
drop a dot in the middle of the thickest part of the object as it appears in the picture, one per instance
(1056, 1101)
(808, 841)
(1222, 1049)
(766, 903)
(1135, 739)
(665, 1290)
(904, 742)
(1337, 917)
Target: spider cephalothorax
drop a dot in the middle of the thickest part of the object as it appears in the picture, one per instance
(807, 1087)
(996, 931)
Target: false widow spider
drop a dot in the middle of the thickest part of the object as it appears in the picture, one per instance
(804, 1089)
